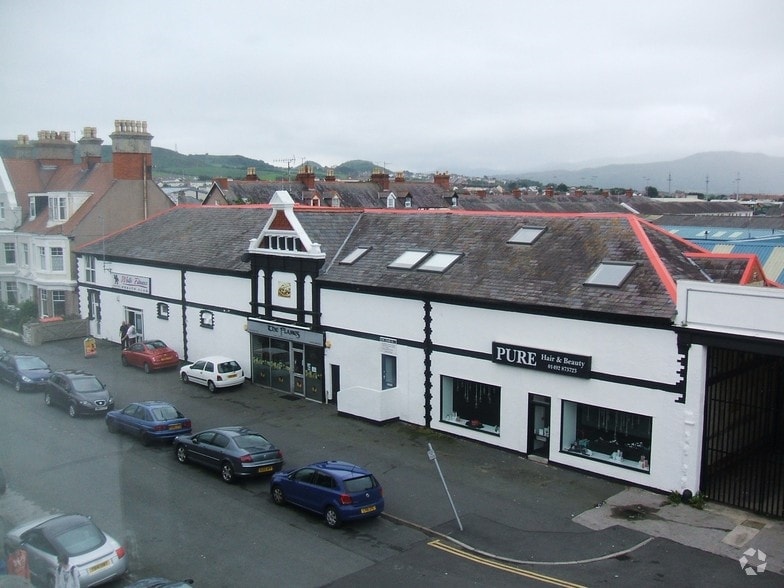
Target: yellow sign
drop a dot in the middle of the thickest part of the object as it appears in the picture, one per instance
(89, 347)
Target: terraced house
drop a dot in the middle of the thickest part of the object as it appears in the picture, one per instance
(593, 341)
(56, 195)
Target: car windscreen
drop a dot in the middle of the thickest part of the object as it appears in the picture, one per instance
(31, 363)
(81, 539)
(156, 344)
(360, 484)
(228, 366)
(86, 385)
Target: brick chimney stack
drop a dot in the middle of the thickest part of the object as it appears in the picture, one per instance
(251, 176)
(90, 147)
(23, 148)
(441, 179)
(131, 150)
(380, 177)
(307, 176)
(400, 177)
(330, 175)
(55, 148)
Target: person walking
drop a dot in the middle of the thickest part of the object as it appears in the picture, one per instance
(130, 335)
(123, 334)
(67, 575)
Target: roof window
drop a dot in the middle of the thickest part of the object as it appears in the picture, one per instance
(610, 274)
(439, 262)
(354, 255)
(527, 235)
(409, 259)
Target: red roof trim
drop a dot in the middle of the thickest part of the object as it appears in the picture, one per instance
(653, 256)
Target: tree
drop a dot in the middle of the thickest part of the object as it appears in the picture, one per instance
(651, 192)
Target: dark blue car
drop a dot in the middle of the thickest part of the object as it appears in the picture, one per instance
(150, 421)
(24, 372)
(337, 490)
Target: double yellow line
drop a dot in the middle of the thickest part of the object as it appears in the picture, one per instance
(485, 561)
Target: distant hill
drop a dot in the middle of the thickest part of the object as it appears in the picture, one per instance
(757, 173)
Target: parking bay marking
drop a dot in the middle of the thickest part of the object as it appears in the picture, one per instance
(438, 544)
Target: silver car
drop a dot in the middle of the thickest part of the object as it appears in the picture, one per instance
(97, 556)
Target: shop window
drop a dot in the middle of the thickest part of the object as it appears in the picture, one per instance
(388, 371)
(603, 434)
(206, 319)
(471, 404)
(163, 311)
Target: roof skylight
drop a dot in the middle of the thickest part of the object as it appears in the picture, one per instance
(439, 262)
(610, 274)
(354, 255)
(527, 235)
(409, 259)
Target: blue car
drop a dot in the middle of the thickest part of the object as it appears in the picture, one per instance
(337, 490)
(24, 372)
(150, 421)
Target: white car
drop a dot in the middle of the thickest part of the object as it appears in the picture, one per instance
(97, 557)
(214, 372)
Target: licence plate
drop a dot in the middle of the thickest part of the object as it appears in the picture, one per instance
(100, 566)
(265, 469)
(174, 427)
(367, 509)
(232, 375)
(100, 408)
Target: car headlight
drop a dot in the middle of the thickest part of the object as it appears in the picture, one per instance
(85, 403)
(26, 380)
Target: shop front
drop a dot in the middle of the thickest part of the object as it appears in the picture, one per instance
(288, 359)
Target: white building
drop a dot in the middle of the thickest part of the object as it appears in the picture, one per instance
(561, 336)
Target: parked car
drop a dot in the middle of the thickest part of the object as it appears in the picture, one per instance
(151, 420)
(97, 556)
(214, 372)
(78, 392)
(160, 583)
(337, 490)
(233, 451)
(24, 372)
(150, 355)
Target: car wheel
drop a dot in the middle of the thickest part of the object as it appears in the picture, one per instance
(277, 496)
(112, 426)
(181, 453)
(211, 386)
(184, 377)
(147, 368)
(145, 439)
(18, 386)
(48, 399)
(331, 517)
(72, 411)
(227, 472)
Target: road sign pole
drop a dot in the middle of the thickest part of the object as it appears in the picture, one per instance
(431, 454)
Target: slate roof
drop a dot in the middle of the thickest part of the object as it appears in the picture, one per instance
(551, 272)
(352, 194)
(211, 238)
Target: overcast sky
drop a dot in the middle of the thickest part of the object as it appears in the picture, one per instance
(425, 85)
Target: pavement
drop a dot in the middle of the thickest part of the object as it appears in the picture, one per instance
(503, 505)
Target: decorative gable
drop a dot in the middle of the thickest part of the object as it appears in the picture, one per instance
(283, 234)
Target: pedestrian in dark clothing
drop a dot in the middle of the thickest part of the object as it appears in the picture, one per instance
(123, 335)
